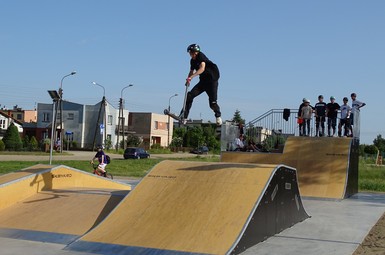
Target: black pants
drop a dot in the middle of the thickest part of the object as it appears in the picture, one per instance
(211, 89)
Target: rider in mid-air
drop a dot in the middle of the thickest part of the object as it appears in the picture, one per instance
(208, 81)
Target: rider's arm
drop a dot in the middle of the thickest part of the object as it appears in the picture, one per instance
(201, 69)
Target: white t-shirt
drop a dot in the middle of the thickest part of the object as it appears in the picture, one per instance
(345, 111)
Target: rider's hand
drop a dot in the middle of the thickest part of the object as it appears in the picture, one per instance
(188, 80)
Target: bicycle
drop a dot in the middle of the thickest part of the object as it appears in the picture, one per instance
(95, 167)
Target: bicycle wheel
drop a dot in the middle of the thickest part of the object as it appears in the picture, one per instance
(109, 176)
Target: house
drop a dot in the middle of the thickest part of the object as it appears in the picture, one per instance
(6, 121)
(153, 128)
(21, 115)
(89, 125)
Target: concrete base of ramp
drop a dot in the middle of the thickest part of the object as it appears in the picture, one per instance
(336, 227)
(199, 208)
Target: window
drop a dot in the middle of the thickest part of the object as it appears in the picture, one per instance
(19, 116)
(109, 120)
(70, 116)
(156, 125)
(45, 117)
(2, 124)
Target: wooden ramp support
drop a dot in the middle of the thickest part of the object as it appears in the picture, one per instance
(327, 166)
(199, 208)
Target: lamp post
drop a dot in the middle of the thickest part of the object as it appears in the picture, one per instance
(104, 115)
(121, 117)
(55, 97)
(61, 106)
(168, 129)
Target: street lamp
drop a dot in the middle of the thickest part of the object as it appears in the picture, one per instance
(104, 90)
(104, 115)
(121, 117)
(168, 129)
(55, 97)
(61, 106)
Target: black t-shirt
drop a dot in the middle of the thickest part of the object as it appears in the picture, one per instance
(320, 108)
(211, 70)
(332, 109)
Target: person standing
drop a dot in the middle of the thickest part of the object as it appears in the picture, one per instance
(331, 112)
(320, 113)
(356, 105)
(208, 73)
(306, 112)
(345, 118)
(300, 120)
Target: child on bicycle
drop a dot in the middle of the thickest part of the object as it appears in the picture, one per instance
(101, 156)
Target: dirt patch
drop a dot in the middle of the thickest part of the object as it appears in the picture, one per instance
(374, 242)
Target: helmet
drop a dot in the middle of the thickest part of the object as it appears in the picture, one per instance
(304, 99)
(353, 95)
(99, 147)
(345, 99)
(320, 96)
(332, 98)
(307, 101)
(194, 48)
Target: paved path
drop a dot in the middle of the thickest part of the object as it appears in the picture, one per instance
(84, 155)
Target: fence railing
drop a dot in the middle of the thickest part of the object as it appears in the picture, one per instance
(278, 123)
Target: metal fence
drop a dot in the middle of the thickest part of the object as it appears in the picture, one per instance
(277, 123)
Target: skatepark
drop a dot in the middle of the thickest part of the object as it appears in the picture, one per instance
(300, 201)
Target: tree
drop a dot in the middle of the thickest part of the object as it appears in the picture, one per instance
(371, 149)
(12, 139)
(379, 142)
(237, 118)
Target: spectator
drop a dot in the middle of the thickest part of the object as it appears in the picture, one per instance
(239, 143)
(320, 112)
(345, 118)
(356, 105)
(331, 112)
(306, 112)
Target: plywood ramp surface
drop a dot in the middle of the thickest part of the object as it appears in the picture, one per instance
(50, 201)
(73, 211)
(322, 163)
(22, 173)
(189, 207)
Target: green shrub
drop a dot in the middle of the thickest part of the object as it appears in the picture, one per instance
(2, 145)
(12, 139)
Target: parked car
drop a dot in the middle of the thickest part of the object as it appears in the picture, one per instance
(200, 150)
(135, 153)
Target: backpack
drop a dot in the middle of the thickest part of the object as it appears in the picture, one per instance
(108, 159)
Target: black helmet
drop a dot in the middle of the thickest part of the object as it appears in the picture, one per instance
(345, 99)
(99, 147)
(194, 48)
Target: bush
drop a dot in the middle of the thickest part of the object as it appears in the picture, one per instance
(33, 144)
(12, 139)
(2, 145)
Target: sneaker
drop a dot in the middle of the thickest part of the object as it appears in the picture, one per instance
(219, 121)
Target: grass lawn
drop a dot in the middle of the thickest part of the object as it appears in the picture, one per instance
(129, 168)
(371, 177)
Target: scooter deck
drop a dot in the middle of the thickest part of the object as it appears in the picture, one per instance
(172, 115)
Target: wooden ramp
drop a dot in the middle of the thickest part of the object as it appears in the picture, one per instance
(327, 167)
(55, 204)
(199, 208)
